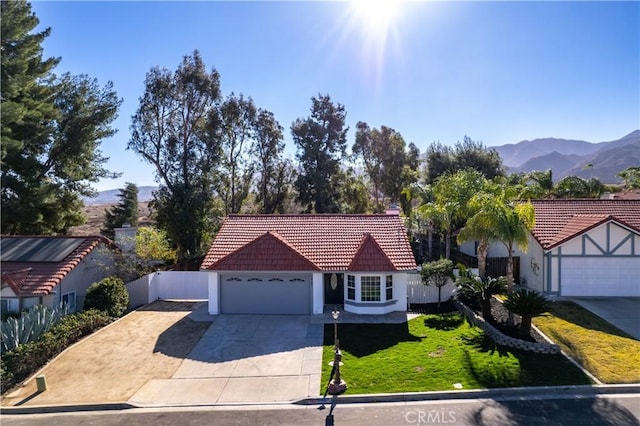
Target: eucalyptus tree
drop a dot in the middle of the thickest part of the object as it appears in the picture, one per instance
(275, 175)
(630, 177)
(238, 122)
(577, 187)
(321, 141)
(52, 129)
(389, 163)
(177, 128)
(468, 154)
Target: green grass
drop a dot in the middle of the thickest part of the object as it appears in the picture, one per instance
(431, 353)
(608, 353)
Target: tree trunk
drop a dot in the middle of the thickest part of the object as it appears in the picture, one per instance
(483, 248)
(525, 326)
(447, 246)
(485, 304)
(430, 240)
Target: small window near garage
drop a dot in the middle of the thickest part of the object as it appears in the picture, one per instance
(276, 280)
(233, 279)
(70, 300)
(370, 289)
(9, 305)
(296, 280)
(351, 287)
(254, 279)
(389, 287)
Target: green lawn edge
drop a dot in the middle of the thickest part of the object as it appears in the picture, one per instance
(437, 353)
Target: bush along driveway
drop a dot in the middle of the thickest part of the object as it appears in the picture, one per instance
(438, 352)
(608, 353)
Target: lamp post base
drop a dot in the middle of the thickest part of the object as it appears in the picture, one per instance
(337, 388)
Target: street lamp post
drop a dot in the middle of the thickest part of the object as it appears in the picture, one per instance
(337, 386)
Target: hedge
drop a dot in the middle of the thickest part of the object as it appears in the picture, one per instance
(26, 359)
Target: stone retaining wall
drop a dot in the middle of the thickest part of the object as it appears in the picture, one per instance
(502, 339)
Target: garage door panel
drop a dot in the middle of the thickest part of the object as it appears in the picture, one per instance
(603, 276)
(265, 294)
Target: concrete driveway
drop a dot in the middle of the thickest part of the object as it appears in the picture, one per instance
(244, 358)
(622, 312)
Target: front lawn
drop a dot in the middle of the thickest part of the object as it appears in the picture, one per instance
(605, 351)
(434, 352)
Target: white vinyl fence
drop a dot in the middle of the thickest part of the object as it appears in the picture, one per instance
(417, 292)
(175, 285)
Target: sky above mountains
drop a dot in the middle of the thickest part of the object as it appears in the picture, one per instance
(500, 72)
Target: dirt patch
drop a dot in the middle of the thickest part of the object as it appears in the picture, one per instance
(112, 364)
(95, 218)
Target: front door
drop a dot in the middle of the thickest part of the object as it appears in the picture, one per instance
(333, 289)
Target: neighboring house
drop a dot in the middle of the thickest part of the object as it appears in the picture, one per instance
(581, 248)
(51, 269)
(297, 264)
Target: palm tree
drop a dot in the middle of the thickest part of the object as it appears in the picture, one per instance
(539, 184)
(481, 289)
(451, 195)
(527, 304)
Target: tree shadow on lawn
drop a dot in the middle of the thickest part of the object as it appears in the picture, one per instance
(576, 314)
(377, 337)
(444, 322)
(529, 368)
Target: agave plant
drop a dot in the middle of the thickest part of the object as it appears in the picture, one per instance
(527, 304)
(32, 324)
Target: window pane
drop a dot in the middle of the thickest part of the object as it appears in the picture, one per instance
(351, 287)
(389, 287)
(370, 289)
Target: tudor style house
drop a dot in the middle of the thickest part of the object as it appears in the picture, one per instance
(49, 270)
(297, 264)
(581, 248)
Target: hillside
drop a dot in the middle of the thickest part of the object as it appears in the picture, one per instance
(572, 157)
(110, 196)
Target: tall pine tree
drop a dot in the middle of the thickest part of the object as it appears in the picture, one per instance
(51, 131)
(125, 212)
(321, 140)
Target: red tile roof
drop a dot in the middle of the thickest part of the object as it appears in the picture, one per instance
(560, 220)
(40, 278)
(329, 242)
(268, 252)
(370, 257)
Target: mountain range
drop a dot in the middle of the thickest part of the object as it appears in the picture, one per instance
(602, 160)
(565, 157)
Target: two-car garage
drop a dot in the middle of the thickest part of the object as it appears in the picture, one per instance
(600, 276)
(260, 293)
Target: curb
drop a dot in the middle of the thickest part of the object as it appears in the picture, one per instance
(497, 394)
(503, 393)
(43, 409)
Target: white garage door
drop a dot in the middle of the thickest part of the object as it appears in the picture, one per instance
(265, 294)
(600, 276)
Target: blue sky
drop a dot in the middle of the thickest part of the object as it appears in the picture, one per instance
(500, 72)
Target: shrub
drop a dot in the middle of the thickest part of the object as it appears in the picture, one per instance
(109, 295)
(20, 363)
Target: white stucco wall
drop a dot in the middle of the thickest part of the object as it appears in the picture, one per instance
(317, 290)
(397, 303)
(214, 293)
(94, 267)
